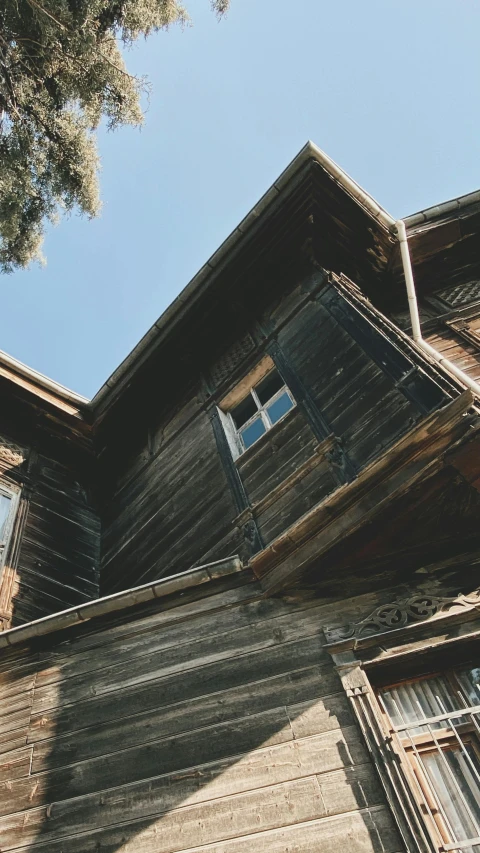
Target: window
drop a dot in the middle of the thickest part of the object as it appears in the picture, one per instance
(435, 724)
(8, 504)
(259, 402)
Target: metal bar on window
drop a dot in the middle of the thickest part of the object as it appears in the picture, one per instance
(463, 750)
(428, 787)
(473, 709)
(372, 729)
(450, 774)
(460, 845)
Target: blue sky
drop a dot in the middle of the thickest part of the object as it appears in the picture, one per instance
(389, 90)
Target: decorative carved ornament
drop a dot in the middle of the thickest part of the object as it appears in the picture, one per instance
(10, 453)
(399, 614)
(461, 294)
(231, 359)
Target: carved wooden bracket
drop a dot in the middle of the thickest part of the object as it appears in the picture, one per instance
(400, 614)
(11, 454)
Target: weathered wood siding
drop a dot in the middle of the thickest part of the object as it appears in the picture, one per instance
(170, 508)
(465, 355)
(167, 496)
(53, 559)
(58, 557)
(357, 398)
(216, 724)
(451, 324)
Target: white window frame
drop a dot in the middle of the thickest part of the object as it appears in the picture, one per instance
(245, 388)
(14, 495)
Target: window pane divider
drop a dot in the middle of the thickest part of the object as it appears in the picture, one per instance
(262, 413)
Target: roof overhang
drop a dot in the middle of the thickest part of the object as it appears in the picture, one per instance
(374, 219)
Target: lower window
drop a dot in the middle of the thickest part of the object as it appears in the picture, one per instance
(8, 506)
(435, 724)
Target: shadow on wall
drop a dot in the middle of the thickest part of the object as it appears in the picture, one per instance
(52, 556)
(160, 734)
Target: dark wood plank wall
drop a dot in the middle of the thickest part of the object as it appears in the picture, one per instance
(172, 508)
(53, 562)
(216, 724)
(285, 474)
(168, 503)
(58, 558)
(439, 329)
(357, 398)
(451, 345)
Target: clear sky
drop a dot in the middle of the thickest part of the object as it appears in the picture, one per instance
(389, 90)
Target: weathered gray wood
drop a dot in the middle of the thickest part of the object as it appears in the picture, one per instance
(193, 603)
(179, 688)
(315, 715)
(224, 817)
(223, 634)
(128, 729)
(369, 831)
(339, 748)
(15, 764)
(150, 667)
(213, 721)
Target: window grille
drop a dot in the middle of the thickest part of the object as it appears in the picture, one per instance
(435, 725)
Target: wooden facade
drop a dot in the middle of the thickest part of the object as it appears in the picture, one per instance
(220, 619)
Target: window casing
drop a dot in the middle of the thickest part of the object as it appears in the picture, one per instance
(8, 508)
(434, 723)
(264, 402)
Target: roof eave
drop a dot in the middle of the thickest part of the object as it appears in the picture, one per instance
(310, 152)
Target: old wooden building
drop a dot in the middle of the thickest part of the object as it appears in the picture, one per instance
(239, 588)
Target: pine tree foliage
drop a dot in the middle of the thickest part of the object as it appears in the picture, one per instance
(61, 72)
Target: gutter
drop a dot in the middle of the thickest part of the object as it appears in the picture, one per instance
(43, 381)
(439, 210)
(120, 601)
(415, 317)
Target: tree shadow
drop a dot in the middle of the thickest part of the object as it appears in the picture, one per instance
(144, 741)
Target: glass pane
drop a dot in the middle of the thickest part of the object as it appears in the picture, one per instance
(269, 386)
(5, 504)
(427, 697)
(252, 432)
(470, 681)
(244, 411)
(278, 409)
(453, 776)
